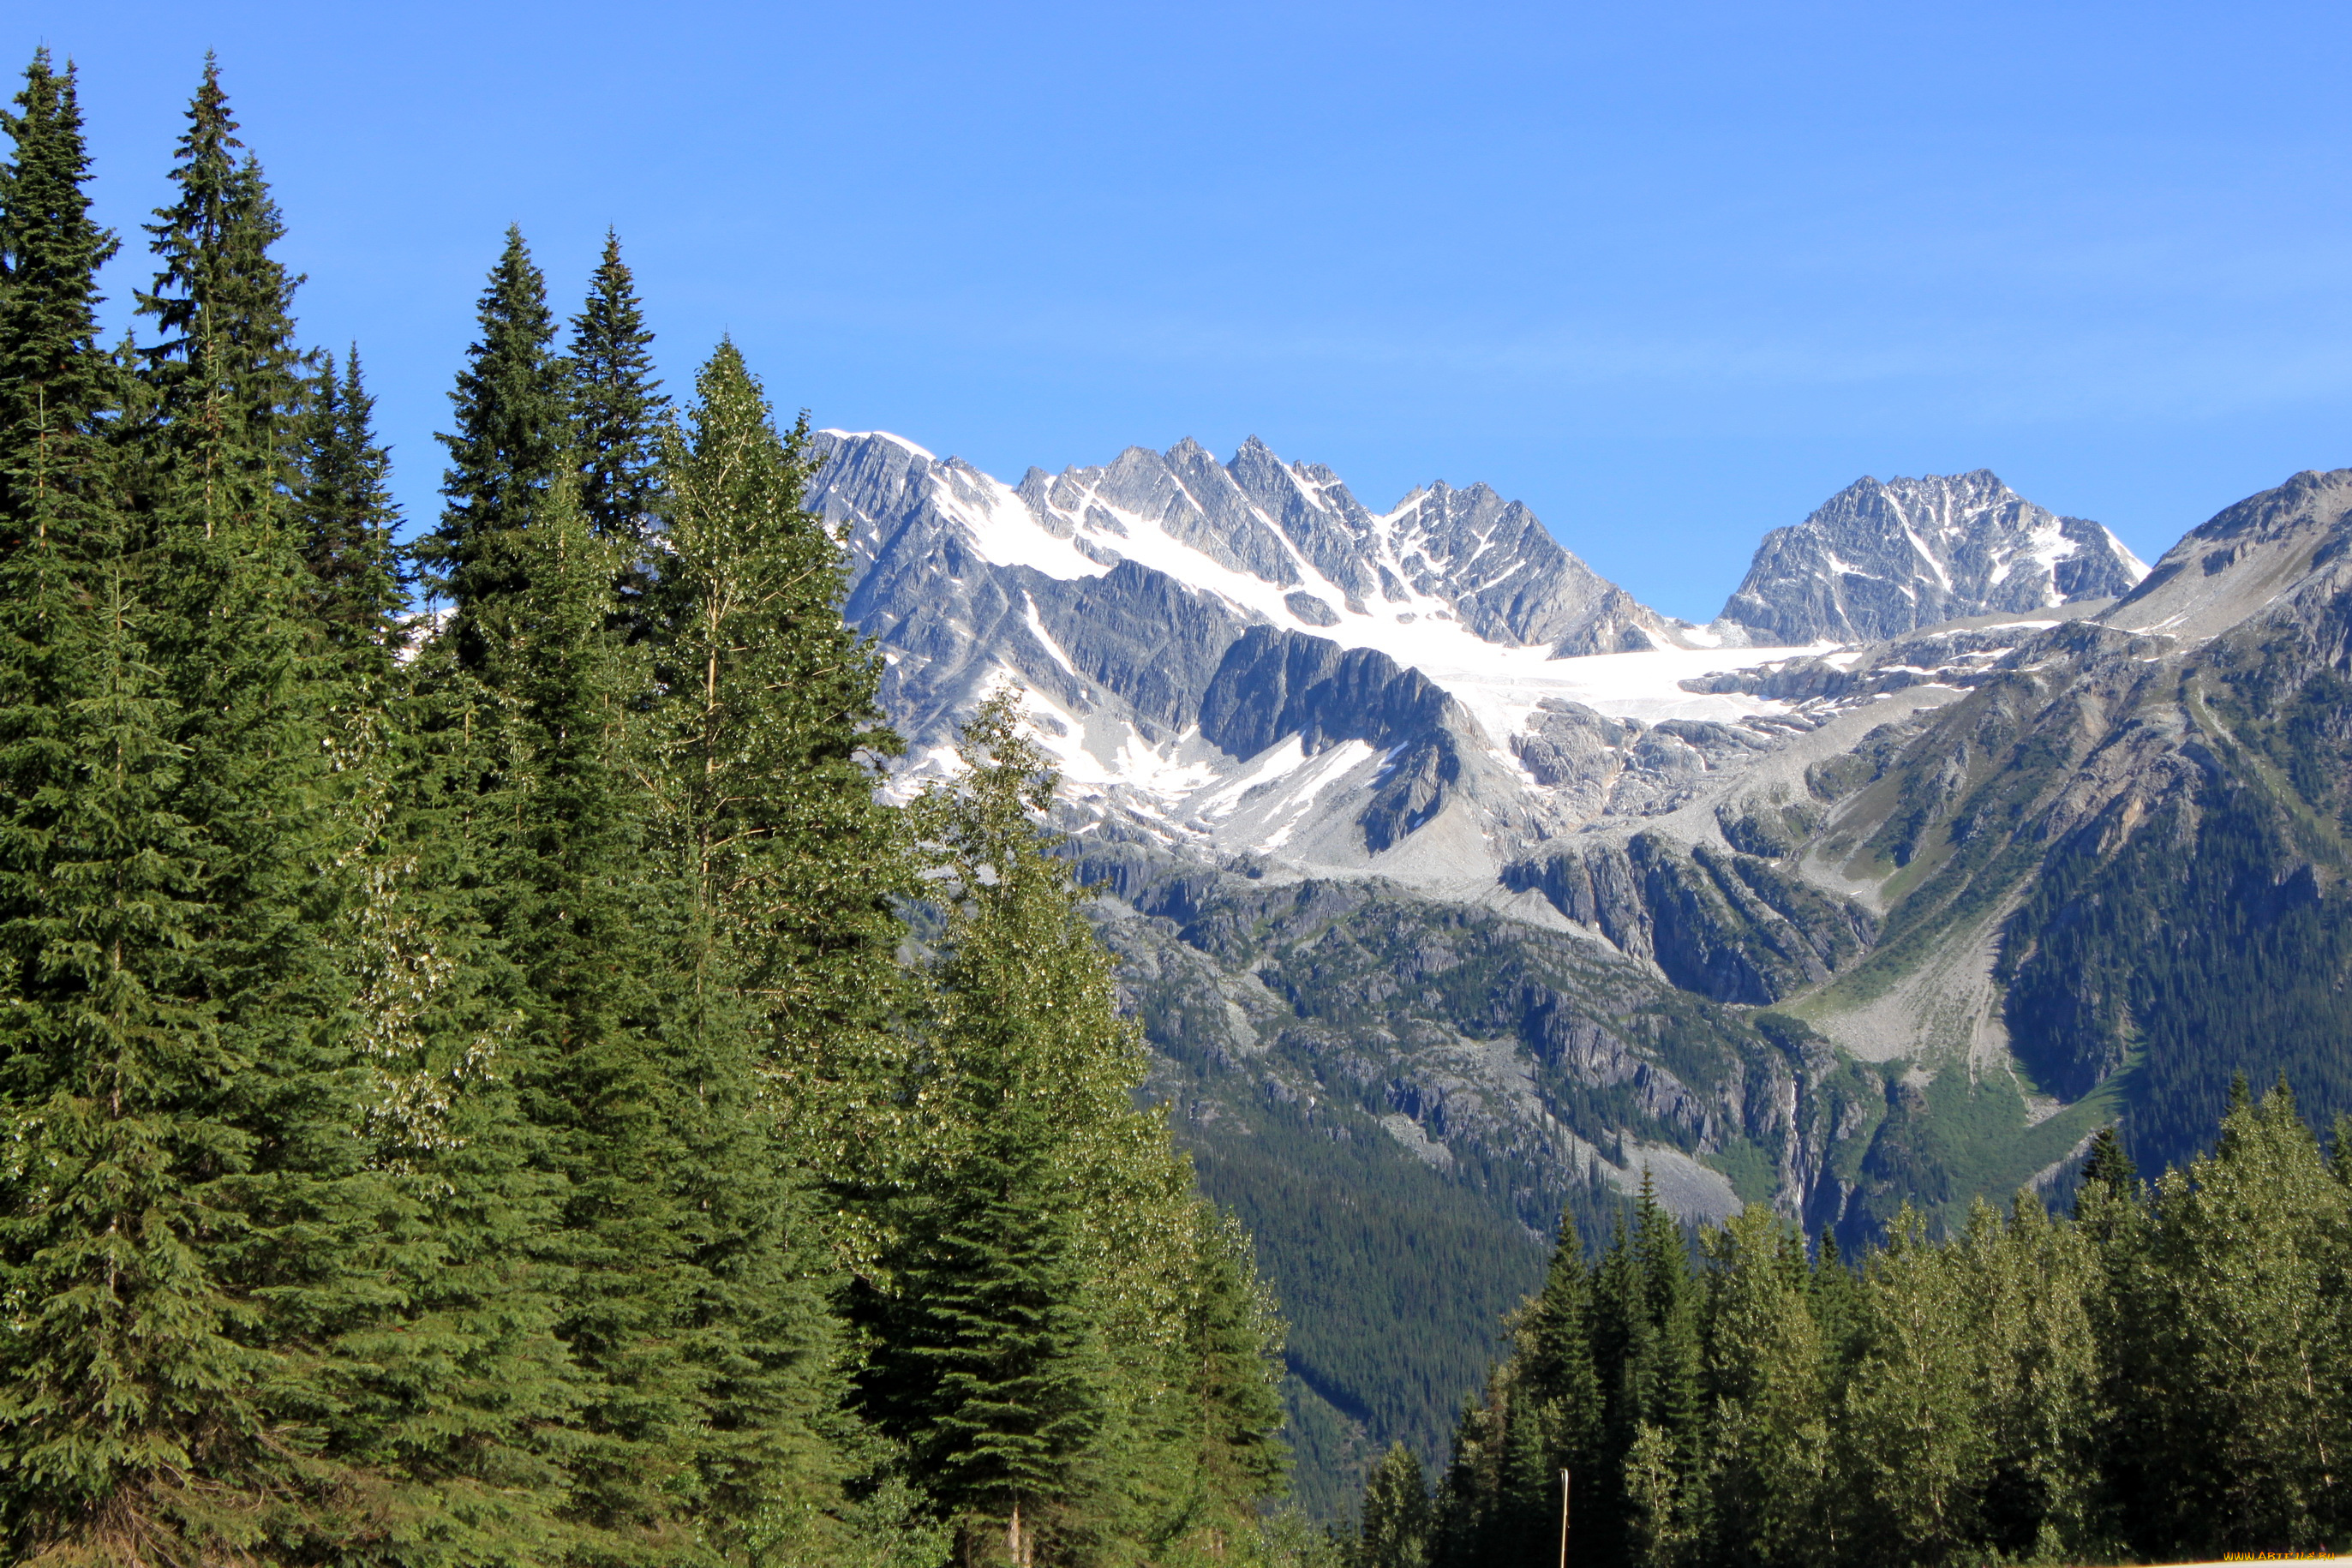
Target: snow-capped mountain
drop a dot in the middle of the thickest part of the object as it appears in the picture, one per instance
(1242, 659)
(1882, 558)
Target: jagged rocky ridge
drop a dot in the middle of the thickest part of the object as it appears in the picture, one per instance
(1241, 657)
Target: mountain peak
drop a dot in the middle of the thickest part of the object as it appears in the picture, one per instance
(1884, 557)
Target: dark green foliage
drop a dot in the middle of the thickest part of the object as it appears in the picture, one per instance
(57, 392)
(221, 382)
(1606, 1381)
(116, 1181)
(187, 1240)
(1393, 1280)
(1396, 1525)
(419, 1071)
(345, 517)
(513, 438)
(2238, 1282)
(2192, 958)
(780, 862)
(1234, 1354)
(1364, 1006)
(1078, 1355)
(617, 412)
(996, 1366)
(576, 902)
(2107, 1166)
(2161, 1377)
(992, 1363)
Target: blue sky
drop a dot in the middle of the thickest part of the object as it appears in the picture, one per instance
(1670, 273)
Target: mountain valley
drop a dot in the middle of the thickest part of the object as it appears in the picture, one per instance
(1453, 887)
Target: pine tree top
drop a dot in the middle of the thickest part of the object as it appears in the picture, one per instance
(512, 437)
(55, 383)
(618, 404)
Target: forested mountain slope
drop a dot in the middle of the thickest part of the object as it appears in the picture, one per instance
(2140, 832)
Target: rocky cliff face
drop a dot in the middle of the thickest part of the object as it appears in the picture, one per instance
(1885, 557)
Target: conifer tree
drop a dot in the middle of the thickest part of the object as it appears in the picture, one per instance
(1624, 1335)
(993, 1366)
(1395, 1529)
(618, 415)
(513, 438)
(2030, 1287)
(128, 1417)
(1469, 1494)
(693, 1307)
(1037, 1329)
(1232, 1355)
(770, 730)
(577, 900)
(1833, 1292)
(1766, 1444)
(1558, 1348)
(123, 1344)
(1914, 1445)
(2241, 1297)
(58, 390)
(346, 517)
(1550, 1406)
(475, 1392)
(1005, 1375)
(223, 382)
(1657, 1418)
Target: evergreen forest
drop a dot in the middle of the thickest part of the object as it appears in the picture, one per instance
(485, 1080)
(2163, 1375)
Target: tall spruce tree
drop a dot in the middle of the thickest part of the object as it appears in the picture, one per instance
(1550, 1404)
(1002, 1374)
(223, 380)
(1038, 1337)
(1557, 1345)
(992, 1366)
(760, 796)
(618, 412)
(346, 518)
(578, 902)
(123, 1344)
(58, 393)
(1232, 1357)
(473, 1392)
(513, 438)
